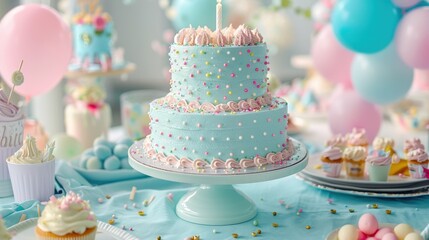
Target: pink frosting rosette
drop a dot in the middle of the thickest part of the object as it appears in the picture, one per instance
(199, 164)
(418, 155)
(247, 163)
(232, 164)
(253, 104)
(243, 105)
(194, 105)
(233, 106)
(208, 107)
(186, 163)
(332, 153)
(217, 164)
(260, 161)
(171, 160)
(413, 144)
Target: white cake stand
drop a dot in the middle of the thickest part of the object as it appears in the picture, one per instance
(216, 201)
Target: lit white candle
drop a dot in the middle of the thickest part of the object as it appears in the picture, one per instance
(219, 15)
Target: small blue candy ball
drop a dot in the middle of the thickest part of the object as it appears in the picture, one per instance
(125, 164)
(101, 141)
(126, 141)
(102, 152)
(120, 150)
(112, 163)
(83, 160)
(93, 163)
(89, 152)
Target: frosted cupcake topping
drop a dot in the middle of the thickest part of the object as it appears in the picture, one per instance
(381, 143)
(242, 36)
(4, 235)
(355, 153)
(413, 144)
(89, 94)
(29, 154)
(333, 153)
(357, 138)
(68, 214)
(380, 158)
(418, 155)
(337, 141)
(8, 111)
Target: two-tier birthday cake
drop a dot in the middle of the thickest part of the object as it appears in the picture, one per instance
(219, 112)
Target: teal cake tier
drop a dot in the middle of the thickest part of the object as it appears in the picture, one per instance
(90, 44)
(218, 74)
(222, 136)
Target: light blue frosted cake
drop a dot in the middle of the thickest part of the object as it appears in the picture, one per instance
(219, 113)
(92, 41)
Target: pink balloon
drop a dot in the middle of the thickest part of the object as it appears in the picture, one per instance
(330, 58)
(348, 110)
(405, 3)
(36, 34)
(421, 80)
(412, 37)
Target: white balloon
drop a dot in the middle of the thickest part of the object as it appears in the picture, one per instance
(320, 12)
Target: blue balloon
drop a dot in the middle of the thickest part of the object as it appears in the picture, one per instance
(198, 13)
(365, 26)
(383, 77)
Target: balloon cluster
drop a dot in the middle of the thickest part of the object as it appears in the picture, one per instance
(370, 48)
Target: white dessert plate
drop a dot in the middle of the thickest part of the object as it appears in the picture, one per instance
(334, 234)
(411, 188)
(363, 193)
(313, 169)
(100, 176)
(25, 231)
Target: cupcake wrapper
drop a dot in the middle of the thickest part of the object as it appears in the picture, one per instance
(378, 173)
(416, 170)
(355, 168)
(32, 181)
(332, 169)
(84, 236)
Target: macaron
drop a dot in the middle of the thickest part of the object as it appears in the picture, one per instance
(88, 152)
(101, 141)
(121, 150)
(389, 236)
(348, 232)
(413, 236)
(83, 160)
(102, 152)
(401, 230)
(93, 163)
(112, 163)
(382, 231)
(368, 224)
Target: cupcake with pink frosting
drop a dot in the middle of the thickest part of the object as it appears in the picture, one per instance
(357, 138)
(332, 161)
(413, 144)
(337, 141)
(378, 165)
(417, 162)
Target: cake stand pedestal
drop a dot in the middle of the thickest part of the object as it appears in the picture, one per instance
(216, 201)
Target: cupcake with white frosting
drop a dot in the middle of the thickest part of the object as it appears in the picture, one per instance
(378, 165)
(417, 161)
(354, 159)
(32, 171)
(332, 161)
(67, 218)
(4, 234)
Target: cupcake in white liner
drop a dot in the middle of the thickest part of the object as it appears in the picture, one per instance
(378, 166)
(4, 234)
(332, 161)
(11, 136)
(67, 218)
(417, 161)
(32, 172)
(354, 159)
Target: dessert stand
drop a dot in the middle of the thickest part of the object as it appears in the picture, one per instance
(216, 201)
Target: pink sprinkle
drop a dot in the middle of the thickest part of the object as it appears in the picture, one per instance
(330, 200)
(266, 63)
(204, 83)
(162, 133)
(258, 86)
(194, 66)
(266, 57)
(232, 74)
(258, 60)
(217, 86)
(268, 69)
(131, 229)
(184, 148)
(192, 75)
(248, 65)
(284, 145)
(282, 202)
(224, 97)
(170, 196)
(246, 90)
(185, 63)
(90, 217)
(248, 50)
(163, 147)
(170, 135)
(206, 153)
(157, 120)
(281, 132)
(268, 119)
(257, 69)
(225, 64)
(239, 53)
(300, 210)
(254, 82)
(273, 135)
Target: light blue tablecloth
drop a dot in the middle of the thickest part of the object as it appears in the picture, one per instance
(160, 218)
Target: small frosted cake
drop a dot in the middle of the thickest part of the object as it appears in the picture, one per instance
(88, 117)
(332, 161)
(378, 165)
(337, 141)
(412, 144)
(67, 218)
(417, 160)
(357, 138)
(4, 234)
(354, 159)
(32, 171)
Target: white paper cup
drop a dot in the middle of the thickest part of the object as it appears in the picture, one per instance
(32, 181)
(11, 137)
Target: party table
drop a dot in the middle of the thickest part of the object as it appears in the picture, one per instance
(301, 211)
